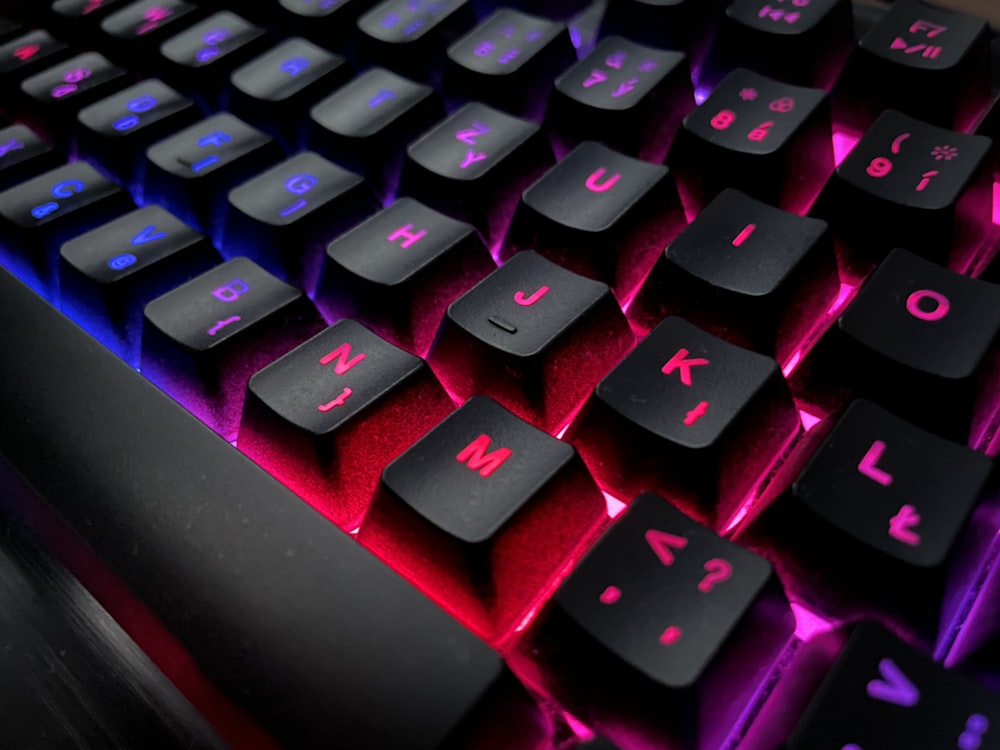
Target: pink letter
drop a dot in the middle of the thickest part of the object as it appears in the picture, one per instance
(520, 299)
(474, 455)
(471, 158)
(595, 185)
(941, 307)
(678, 362)
(341, 354)
(868, 467)
(410, 237)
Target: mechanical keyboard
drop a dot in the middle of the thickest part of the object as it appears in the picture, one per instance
(448, 374)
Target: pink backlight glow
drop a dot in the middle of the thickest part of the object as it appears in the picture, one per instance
(808, 624)
(843, 143)
(845, 294)
(996, 203)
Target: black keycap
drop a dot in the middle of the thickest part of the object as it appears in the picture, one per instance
(410, 36)
(770, 140)
(39, 215)
(686, 25)
(191, 172)
(689, 415)
(882, 693)
(868, 517)
(399, 271)
(136, 31)
(108, 275)
(200, 59)
(331, 23)
(26, 55)
(629, 97)
(116, 131)
(85, 12)
(805, 44)
(9, 29)
(202, 341)
(275, 90)
(752, 274)
(456, 511)
(910, 184)
(24, 154)
(508, 61)
(53, 97)
(930, 63)
(474, 165)
(277, 602)
(653, 621)
(367, 124)
(600, 214)
(284, 217)
(534, 336)
(913, 329)
(326, 418)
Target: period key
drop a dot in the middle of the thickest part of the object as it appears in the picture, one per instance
(663, 631)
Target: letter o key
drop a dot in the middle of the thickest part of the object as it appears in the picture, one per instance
(941, 305)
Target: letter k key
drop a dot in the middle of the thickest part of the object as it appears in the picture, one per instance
(678, 362)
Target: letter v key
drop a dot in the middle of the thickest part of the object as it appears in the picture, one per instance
(149, 234)
(894, 686)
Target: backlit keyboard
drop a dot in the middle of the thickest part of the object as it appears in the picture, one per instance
(450, 375)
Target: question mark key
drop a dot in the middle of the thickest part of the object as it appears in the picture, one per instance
(663, 604)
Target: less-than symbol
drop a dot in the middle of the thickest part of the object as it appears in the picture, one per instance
(663, 544)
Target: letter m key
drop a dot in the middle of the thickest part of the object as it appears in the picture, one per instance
(474, 455)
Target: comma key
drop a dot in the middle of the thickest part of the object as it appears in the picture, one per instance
(658, 623)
